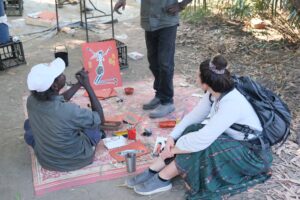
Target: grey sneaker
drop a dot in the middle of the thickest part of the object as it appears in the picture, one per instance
(152, 186)
(162, 110)
(152, 104)
(138, 179)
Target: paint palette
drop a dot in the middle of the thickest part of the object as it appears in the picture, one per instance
(137, 147)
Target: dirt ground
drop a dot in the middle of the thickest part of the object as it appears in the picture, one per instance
(15, 166)
(267, 58)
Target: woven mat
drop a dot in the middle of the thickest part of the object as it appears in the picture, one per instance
(104, 166)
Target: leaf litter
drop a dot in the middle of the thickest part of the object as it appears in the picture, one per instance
(273, 63)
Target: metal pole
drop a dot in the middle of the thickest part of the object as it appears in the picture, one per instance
(57, 22)
(86, 24)
(80, 5)
(112, 19)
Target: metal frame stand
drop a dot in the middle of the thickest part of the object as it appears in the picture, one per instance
(83, 16)
(13, 7)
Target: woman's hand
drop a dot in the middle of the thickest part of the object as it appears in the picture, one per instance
(169, 144)
(166, 154)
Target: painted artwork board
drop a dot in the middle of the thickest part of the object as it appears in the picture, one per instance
(100, 59)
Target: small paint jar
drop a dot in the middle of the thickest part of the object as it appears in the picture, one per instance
(128, 90)
(131, 134)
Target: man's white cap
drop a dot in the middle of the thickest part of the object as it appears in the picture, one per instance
(42, 76)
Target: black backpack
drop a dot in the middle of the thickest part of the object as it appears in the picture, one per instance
(272, 112)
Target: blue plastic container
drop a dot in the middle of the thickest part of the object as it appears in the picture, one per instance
(4, 33)
(1, 8)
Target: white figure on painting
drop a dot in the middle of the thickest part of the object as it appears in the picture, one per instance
(99, 56)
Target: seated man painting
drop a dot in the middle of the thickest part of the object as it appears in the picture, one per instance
(62, 134)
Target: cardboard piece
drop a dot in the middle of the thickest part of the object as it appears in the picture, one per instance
(119, 153)
(47, 15)
(132, 118)
(44, 18)
(128, 117)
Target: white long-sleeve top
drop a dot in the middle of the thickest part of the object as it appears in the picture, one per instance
(232, 108)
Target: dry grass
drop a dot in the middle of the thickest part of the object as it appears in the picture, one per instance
(266, 57)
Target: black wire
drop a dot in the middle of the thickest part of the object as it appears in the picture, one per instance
(43, 31)
(96, 8)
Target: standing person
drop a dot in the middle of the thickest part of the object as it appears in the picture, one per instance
(213, 159)
(159, 19)
(62, 134)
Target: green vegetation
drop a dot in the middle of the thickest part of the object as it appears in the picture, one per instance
(241, 9)
(194, 16)
(18, 196)
(284, 14)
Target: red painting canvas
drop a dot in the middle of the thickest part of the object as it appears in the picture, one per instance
(100, 59)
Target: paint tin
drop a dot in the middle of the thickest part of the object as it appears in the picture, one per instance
(131, 134)
(128, 90)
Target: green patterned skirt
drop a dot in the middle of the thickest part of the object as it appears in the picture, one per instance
(226, 167)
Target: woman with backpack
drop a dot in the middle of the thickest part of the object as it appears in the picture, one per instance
(213, 159)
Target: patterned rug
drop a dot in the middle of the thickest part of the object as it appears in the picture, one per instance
(104, 166)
